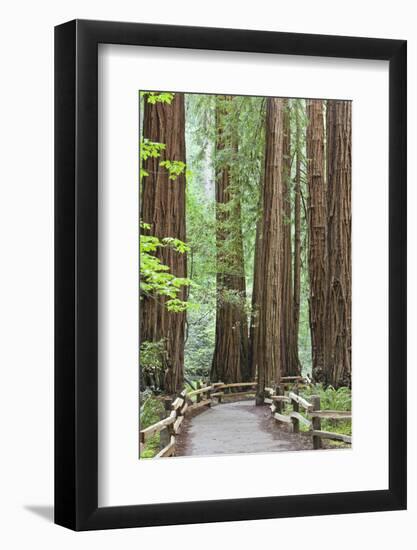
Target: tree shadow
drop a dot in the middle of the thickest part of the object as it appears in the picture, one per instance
(45, 512)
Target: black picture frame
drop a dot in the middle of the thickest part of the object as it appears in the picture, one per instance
(76, 272)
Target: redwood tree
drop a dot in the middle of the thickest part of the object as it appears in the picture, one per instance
(297, 227)
(338, 308)
(266, 349)
(256, 289)
(289, 336)
(317, 222)
(230, 357)
(163, 208)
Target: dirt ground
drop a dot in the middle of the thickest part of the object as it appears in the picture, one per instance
(237, 427)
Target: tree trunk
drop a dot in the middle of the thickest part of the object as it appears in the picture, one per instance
(256, 289)
(163, 207)
(230, 358)
(317, 234)
(257, 277)
(297, 230)
(266, 354)
(339, 176)
(289, 340)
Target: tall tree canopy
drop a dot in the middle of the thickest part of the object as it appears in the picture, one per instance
(245, 223)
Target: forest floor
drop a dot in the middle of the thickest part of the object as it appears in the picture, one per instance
(238, 427)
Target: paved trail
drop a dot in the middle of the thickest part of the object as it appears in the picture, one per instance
(239, 427)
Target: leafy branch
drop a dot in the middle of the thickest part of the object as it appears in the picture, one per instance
(155, 278)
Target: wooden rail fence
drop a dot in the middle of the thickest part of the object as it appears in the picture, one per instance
(285, 393)
(186, 402)
(312, 414)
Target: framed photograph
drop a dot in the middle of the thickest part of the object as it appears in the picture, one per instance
(230, 254)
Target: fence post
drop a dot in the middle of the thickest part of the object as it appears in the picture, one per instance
(315, 400)
(260, 394)
(217, 390)
(165, 435)
(198, 396)
(208, 395)
(295, 408)
(164, 438)
(278, 404)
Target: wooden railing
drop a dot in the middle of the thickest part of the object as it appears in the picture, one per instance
(184, 403)
(312, 414)
(303, 411)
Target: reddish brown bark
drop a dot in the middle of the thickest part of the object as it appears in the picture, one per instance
(230, 357)
(256, 290)
(289, 338)
(337, 368)
(163, 207)
(317, 209)
(297, 229)
(266, 352)
(257, 278)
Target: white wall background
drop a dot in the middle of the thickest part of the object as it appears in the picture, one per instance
(26, 272)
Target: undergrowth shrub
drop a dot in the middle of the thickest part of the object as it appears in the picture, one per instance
(151, 412)
(331, 399)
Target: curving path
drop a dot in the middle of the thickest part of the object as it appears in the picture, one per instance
(238, 427)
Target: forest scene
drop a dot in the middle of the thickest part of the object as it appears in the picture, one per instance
(245, 274)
